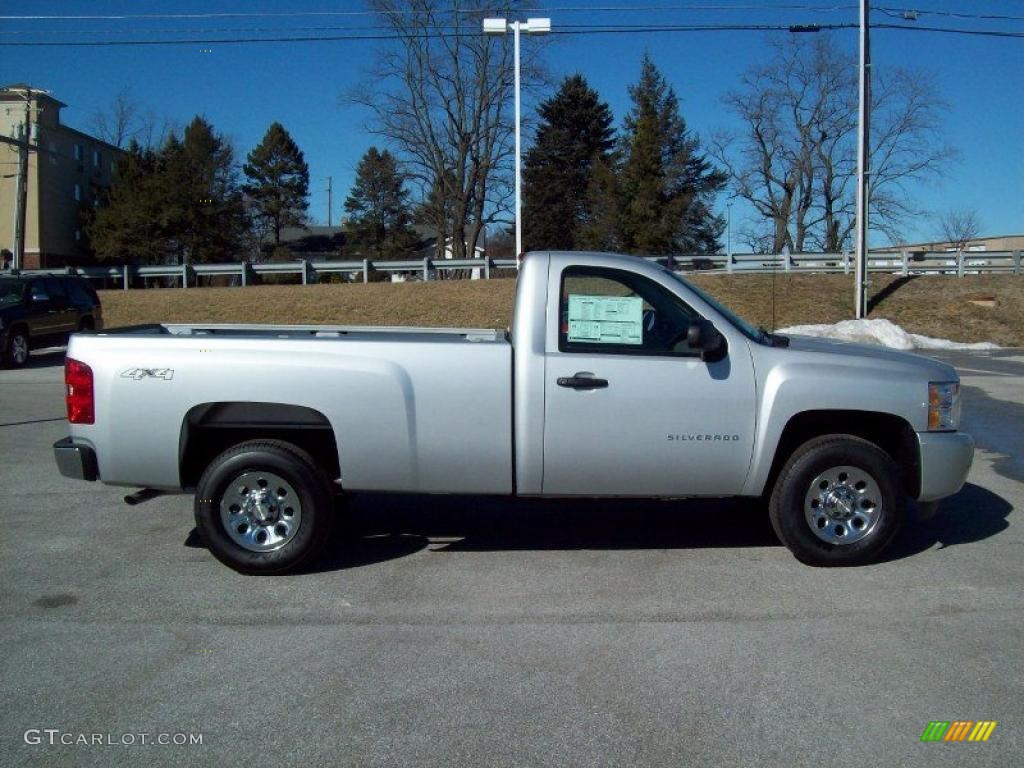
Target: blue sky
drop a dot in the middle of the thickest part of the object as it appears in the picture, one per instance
(242, 88)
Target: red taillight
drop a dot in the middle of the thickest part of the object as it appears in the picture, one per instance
(78, 392)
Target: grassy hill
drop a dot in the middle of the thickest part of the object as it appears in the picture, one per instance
(942, 306)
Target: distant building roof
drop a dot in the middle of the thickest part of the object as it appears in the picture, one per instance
(298, 233)
(312, 239)
(12, 89)
(990, 243)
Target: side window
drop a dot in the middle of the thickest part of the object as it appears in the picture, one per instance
(37, 291)
(55, 287)
(618, 312)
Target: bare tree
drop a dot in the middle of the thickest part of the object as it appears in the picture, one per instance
(440, 96)
(125, 120)
(795, 158)
(959, 227)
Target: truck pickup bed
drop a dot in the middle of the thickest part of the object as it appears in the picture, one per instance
(397, 388)
(618, 378)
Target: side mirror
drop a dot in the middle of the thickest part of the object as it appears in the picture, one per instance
(704, 336)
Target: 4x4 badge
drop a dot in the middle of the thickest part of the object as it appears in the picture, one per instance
(148, 373)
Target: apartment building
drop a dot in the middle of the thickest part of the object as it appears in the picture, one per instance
(66, 167)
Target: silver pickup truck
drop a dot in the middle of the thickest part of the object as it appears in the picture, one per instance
(618, 378)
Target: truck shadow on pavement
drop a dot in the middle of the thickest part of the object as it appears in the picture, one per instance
(379, 527)
(376, 527)
(972, 515)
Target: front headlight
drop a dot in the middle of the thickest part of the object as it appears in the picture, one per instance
(943, 405)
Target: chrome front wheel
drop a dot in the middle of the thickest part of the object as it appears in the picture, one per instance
(843, 505)
(18, 350)
(838, 500)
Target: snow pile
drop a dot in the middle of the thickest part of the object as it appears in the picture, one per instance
(880, 331)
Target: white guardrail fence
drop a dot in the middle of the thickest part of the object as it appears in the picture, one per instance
(906, 263)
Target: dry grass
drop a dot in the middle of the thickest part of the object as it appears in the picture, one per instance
(932, 305)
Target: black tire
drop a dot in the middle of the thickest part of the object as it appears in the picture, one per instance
(298, 470)
(791, 512)
(10, 357)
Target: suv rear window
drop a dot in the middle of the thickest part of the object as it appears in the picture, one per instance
(81, 292)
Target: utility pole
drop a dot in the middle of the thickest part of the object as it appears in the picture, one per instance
(863, 164)
(330, 203)
(21, 189)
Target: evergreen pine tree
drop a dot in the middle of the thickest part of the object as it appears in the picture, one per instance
(126, 225)
(379, 223)
(278, 185)
(667, 184)
(206, 212)
(179, 204)
(574, 134)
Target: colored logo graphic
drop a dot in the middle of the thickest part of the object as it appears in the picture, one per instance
(958, 730)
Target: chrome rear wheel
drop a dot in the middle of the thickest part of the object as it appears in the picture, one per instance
(261, 511)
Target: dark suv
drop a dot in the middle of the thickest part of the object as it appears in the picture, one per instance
(43, 311)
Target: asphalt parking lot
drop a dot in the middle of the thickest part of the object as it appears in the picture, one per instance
(477, 632)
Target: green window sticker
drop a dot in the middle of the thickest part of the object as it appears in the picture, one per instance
(605, 319)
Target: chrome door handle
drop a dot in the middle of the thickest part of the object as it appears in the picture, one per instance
(582, 382)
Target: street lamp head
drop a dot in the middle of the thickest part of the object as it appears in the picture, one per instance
(495, 26)
(538, 26)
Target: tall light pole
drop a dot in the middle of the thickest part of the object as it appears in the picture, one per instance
(728, 230)
(531, 27)
(863, 164)
(330, 198)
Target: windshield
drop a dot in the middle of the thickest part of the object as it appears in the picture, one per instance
(11, 291)
(742, 325)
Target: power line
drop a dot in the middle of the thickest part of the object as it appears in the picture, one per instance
(911, 13)
(951, 30)
(379, 37)
(439, 12)
(893, 11)
(564, 30)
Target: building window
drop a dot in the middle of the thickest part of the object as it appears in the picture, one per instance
(78, 152)
(96, 158)
(78, 235)
(53, 153)
(78, 192)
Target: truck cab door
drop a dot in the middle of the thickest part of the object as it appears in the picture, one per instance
(630, 409)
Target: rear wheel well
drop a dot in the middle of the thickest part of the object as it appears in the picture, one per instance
(212, 428)
(892, 434)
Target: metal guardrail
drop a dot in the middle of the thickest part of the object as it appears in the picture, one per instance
(901, 262)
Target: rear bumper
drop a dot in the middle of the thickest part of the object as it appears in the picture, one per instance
(75, 461)
(945, 461)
